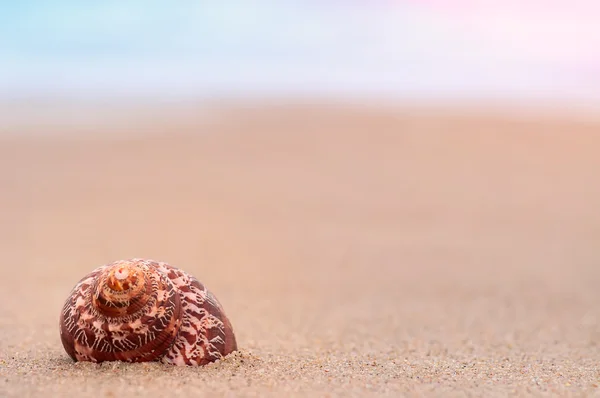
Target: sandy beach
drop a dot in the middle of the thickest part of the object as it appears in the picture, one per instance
(357, 252)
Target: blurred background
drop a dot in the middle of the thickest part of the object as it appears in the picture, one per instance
(545, 51)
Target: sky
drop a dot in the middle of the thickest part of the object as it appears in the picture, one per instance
(430, 48)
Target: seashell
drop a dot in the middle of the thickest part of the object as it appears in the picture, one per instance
(141, 310)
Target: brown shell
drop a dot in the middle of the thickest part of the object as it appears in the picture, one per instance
(142, 310)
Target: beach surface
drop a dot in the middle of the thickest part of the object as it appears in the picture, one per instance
(357, 251)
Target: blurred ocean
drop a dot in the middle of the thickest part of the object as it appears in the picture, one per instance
(535, 50)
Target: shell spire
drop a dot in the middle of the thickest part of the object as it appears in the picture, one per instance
(143, 310)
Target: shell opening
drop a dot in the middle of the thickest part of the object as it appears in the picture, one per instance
(122, 278)
(121, 273)
(123, 290)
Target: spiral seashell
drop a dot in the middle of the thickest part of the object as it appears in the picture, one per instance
(141, 310)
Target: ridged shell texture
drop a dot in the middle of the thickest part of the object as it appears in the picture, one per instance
(141, 310)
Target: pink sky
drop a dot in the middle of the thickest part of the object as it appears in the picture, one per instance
(565, 34)
(553, 27)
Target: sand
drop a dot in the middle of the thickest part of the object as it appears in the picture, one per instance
(357, 252)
